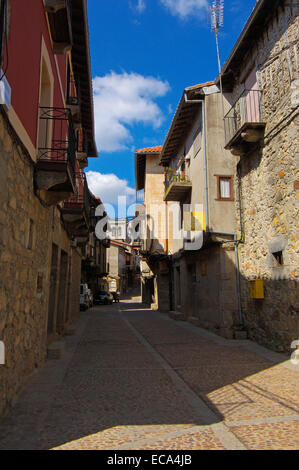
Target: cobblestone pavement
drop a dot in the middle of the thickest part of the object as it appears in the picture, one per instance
(132, 378)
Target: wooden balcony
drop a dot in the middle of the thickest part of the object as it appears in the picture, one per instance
(59, 18)
(55, 167)
(243, 124)
(177, 187)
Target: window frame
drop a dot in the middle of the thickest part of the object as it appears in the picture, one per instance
(227, 178)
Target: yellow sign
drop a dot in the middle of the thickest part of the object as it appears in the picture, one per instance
(194, 221)
(256, 288)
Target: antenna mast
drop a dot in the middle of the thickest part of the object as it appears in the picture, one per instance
(216, 23)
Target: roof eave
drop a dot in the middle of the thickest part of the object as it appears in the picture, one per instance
(81, 30)
(164, 161)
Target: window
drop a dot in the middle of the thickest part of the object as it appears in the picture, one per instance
(45, 101)
(224, 188)
(278, 257)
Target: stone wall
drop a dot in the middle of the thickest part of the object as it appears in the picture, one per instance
(27, 231)
(269, 189)
(270, 218)
(208, 293)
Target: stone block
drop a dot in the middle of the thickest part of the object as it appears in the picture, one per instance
(56, 350)
(240, 335)
(226, 333)
(179, 316)
(194, 320)
(7, 143)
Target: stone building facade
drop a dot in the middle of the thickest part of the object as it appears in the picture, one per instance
(44, 214)
(261, 84)
(153, 229)
(122, 266)
(34, 247)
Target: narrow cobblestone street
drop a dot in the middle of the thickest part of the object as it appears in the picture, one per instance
(132, 378)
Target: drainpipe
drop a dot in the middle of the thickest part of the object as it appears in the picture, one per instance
(203, 119)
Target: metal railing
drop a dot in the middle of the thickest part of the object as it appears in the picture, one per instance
(81, 196)
(247, 109)
(175, 176)
(57, 138)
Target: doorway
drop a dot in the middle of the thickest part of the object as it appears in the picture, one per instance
(52, 293)
(62, 293)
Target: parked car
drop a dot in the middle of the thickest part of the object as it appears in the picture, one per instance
(103, 297)
(115, 296)
(84, 297)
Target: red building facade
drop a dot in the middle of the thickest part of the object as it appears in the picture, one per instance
(46, 209)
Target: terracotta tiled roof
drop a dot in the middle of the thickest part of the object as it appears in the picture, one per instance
(201, 85)
(156, 149)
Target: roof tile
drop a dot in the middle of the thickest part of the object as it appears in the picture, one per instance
(156, 149)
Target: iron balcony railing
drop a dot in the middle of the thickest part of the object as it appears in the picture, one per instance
(175, 176)
(81, 200)
(247, 109)
(57, 138)
(81, 196)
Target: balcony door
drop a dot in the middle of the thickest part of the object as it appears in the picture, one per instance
(45, 101)
(252, 98)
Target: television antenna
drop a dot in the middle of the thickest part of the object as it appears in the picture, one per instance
(217, 10)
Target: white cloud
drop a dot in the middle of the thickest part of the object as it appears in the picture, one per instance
(140, 6)
(121, 100)
(108, 187)
(185, 8)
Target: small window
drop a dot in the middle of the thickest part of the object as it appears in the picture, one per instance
(278, 257)
(224, 188)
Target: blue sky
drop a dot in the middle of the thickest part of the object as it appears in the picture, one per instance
(143, 54)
